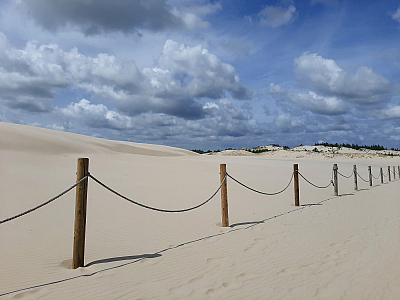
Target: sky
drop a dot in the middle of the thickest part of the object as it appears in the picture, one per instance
(202, 74)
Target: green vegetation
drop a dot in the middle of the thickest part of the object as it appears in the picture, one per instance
(391, 154)
(202, 152)
(355, 146)
(253, 150)
(257, 150)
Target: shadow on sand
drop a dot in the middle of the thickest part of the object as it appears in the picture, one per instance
(122, 258)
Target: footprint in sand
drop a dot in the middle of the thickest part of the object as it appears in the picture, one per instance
(67, 264)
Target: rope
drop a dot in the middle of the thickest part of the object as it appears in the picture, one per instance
(154, 208)
(319, 187)
(362, 178)
(374, 176)
(262, 193)
(344, 176)
(45, 203)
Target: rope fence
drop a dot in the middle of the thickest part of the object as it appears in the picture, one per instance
(318, 187)
(154, 208)
(358, 174)
(377, 178)
(83, 176)
(43, 204)
(344, 175)
(262, 193)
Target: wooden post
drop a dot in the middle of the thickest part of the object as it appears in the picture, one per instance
(381, 175)
(335, 180)
(224, 196)
(394, 173)
(80, 214)
(398, 170)
(296, 185)
(389, 172)
(355, 177)
(370, 175)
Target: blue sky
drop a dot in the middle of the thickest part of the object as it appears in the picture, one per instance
(204, 74)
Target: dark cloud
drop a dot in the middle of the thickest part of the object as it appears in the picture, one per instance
(104, 16)
(184, 108)
(30, 105)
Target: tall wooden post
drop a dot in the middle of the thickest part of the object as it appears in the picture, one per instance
(355, 177)
(224, 196)
(80, 214)
(381, 175)
(296, 185)
(394, 173)
(398, 170)
(370, 175)
(389, 172)
(335, 180)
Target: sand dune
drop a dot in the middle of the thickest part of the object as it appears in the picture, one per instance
(345, 247)
(30, 139)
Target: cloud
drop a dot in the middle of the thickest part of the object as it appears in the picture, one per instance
(96, 115)
(319, 104)
(31, 78)
(225, 121)
(392, 112)
(195, 72)
(275, 16)
(287, 124)
(210, 105)
(104, 16)
(310, 101)
(190, 15)
(396, 15)
(327, 77)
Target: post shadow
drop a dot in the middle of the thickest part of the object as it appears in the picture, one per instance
(122, 258)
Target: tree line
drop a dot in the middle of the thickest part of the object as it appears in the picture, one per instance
(356, 146)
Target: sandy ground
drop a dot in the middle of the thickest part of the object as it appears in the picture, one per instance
(345, 247)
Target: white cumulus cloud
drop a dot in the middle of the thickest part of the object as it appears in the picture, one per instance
(31, 77)
(96, 115)
(364, 86)
(319, 104)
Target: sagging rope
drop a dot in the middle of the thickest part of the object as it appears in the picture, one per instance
(362, 178)
(45, 203)
(374, 176)
(262, 193)
(154, 208)
(345, 176)
(319, 187)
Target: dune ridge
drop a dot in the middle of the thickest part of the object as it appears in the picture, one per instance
(23, 138)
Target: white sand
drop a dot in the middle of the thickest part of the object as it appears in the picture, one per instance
(346, 248)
